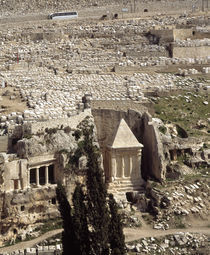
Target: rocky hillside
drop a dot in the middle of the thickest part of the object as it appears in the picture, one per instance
(30, 6)
(9, 7)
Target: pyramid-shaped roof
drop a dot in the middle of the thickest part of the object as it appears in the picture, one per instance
(124, 138)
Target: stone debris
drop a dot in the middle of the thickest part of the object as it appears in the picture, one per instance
(172, 207)
(50, 250)
(179, 243)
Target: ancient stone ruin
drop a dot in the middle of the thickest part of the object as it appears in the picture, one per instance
(125, 67)
(122, 159)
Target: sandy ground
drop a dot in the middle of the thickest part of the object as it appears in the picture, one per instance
(14, 105)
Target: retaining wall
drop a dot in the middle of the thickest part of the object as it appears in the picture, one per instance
(190, 52)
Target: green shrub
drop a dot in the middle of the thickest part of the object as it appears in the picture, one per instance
(178, 222)
(67, 130)
(77, 134)
(51, 131)
(27, 136)
(163, 129)
(181, 132)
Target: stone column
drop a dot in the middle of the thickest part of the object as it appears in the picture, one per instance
(130, 165)
(46, 175)
(123, 167)
(37, 176)
(29, 170)
(137, 167)
(113, 167)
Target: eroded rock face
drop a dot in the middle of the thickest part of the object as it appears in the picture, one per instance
(24, 208)
(38, 145)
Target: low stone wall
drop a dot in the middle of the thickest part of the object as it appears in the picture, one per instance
(41, 250)
(3, 143)
(182, 34)
(191, 52)
(172, 34)
(201, 34)
(39, 127)
(117, 105)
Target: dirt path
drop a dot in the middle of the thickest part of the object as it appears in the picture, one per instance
(130, 235)
(135, 234)
(28, 244)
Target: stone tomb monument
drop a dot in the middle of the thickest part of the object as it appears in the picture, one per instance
(123, 160)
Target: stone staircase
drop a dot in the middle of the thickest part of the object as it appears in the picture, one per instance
(126, 185)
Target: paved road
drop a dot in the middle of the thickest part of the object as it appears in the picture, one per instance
(130, 235)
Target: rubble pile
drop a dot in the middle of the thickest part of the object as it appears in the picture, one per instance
(179, 243)
(172, 208)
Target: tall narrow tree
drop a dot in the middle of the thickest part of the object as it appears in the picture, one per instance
(116, 236)
(69, 239)
(96, 196)
(80, 221)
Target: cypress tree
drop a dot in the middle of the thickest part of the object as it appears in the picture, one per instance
(80, 220)
(69, 239)
(116, 236)
(95, 228)
(96, 195)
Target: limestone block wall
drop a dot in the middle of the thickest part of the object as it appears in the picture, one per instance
(15, 175)
(201, 34)
(73, 121)
(190, 52)
(182, 34)
(3, 143)
(123, 105)
(172, 34)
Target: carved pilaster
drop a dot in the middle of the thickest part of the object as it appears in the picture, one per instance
(37, 176)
